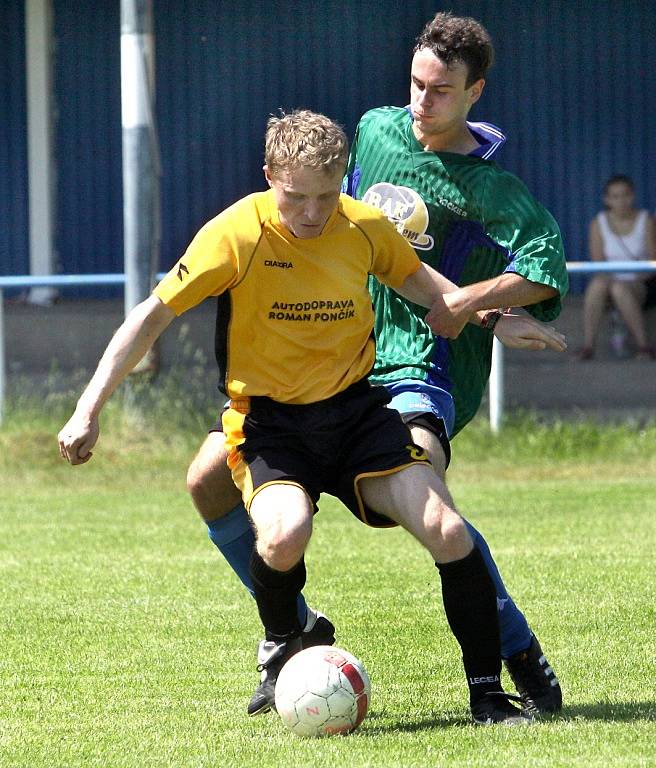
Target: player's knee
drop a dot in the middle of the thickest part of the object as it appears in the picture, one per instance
(457, 541)
(447, 533)
(208, 473)
(197, 478)
(214, 495)
(199, 486)
(281, 546)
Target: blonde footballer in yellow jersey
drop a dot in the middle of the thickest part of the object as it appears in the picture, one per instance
(291, 268)
(300, 319)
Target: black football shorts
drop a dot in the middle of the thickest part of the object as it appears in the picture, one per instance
(323, 447)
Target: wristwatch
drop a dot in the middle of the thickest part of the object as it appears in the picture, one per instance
(490, 319)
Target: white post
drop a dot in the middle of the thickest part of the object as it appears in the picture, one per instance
(2, 357)
(495, 391)
(38, 45)
(140, 151)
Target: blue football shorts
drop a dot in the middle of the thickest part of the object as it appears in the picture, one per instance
(427, 406)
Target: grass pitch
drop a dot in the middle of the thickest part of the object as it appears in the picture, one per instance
(126, 640)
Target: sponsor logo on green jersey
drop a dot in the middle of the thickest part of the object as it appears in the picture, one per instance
(405, 209)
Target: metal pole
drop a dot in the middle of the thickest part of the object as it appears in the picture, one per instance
(496, 386)
(2, 356)
(41, 171)
(140, 151)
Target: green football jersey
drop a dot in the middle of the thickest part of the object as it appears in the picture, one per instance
(467, 218)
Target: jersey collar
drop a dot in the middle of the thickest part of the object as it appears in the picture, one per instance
(490, 139)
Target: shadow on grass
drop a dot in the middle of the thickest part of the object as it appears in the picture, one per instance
(604, 711)
(425, 723)
(623, 712)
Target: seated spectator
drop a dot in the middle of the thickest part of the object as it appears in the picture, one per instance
(621, 232)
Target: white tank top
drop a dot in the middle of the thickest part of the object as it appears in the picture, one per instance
(631, 247)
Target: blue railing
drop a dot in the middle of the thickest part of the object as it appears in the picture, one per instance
(496, 375)
(62, 281)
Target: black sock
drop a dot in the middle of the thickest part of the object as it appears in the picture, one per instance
(276, 593)
(471, 610)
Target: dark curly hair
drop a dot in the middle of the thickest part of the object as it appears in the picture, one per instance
(458, 40)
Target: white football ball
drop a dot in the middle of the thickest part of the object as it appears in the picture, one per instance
(322, 691)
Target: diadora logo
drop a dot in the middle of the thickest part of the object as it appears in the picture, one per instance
(279, 264)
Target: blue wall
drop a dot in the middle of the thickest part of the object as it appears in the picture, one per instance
(87, 83)
(223, 68)
(573, 88)
(14, 239)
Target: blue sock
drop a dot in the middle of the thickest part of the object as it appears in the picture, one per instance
(234, 538)
(515, 633)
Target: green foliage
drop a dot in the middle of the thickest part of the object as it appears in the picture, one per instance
(128, 643)
(167, 414)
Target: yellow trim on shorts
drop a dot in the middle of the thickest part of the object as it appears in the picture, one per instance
(382, 473)
(232, 421)
(233, 428)
(241, 475)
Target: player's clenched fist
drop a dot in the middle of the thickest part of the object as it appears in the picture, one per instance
(76, 439)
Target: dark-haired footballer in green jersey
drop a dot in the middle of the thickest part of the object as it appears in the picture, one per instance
(430, 170)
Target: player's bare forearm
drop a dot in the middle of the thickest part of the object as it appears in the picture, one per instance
(141, 328)
(470, 304)
(425, 286)
(506, 290)
(431, 289)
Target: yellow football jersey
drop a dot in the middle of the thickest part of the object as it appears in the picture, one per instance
(295, 318)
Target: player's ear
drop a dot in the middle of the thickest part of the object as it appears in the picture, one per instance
(267, 174)
(475, 91)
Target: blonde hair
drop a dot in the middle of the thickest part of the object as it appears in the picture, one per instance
(304, 139)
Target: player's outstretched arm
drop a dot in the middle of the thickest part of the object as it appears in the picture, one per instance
(458, 307)
(523, 332)
(132, 340)
(429, 288)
